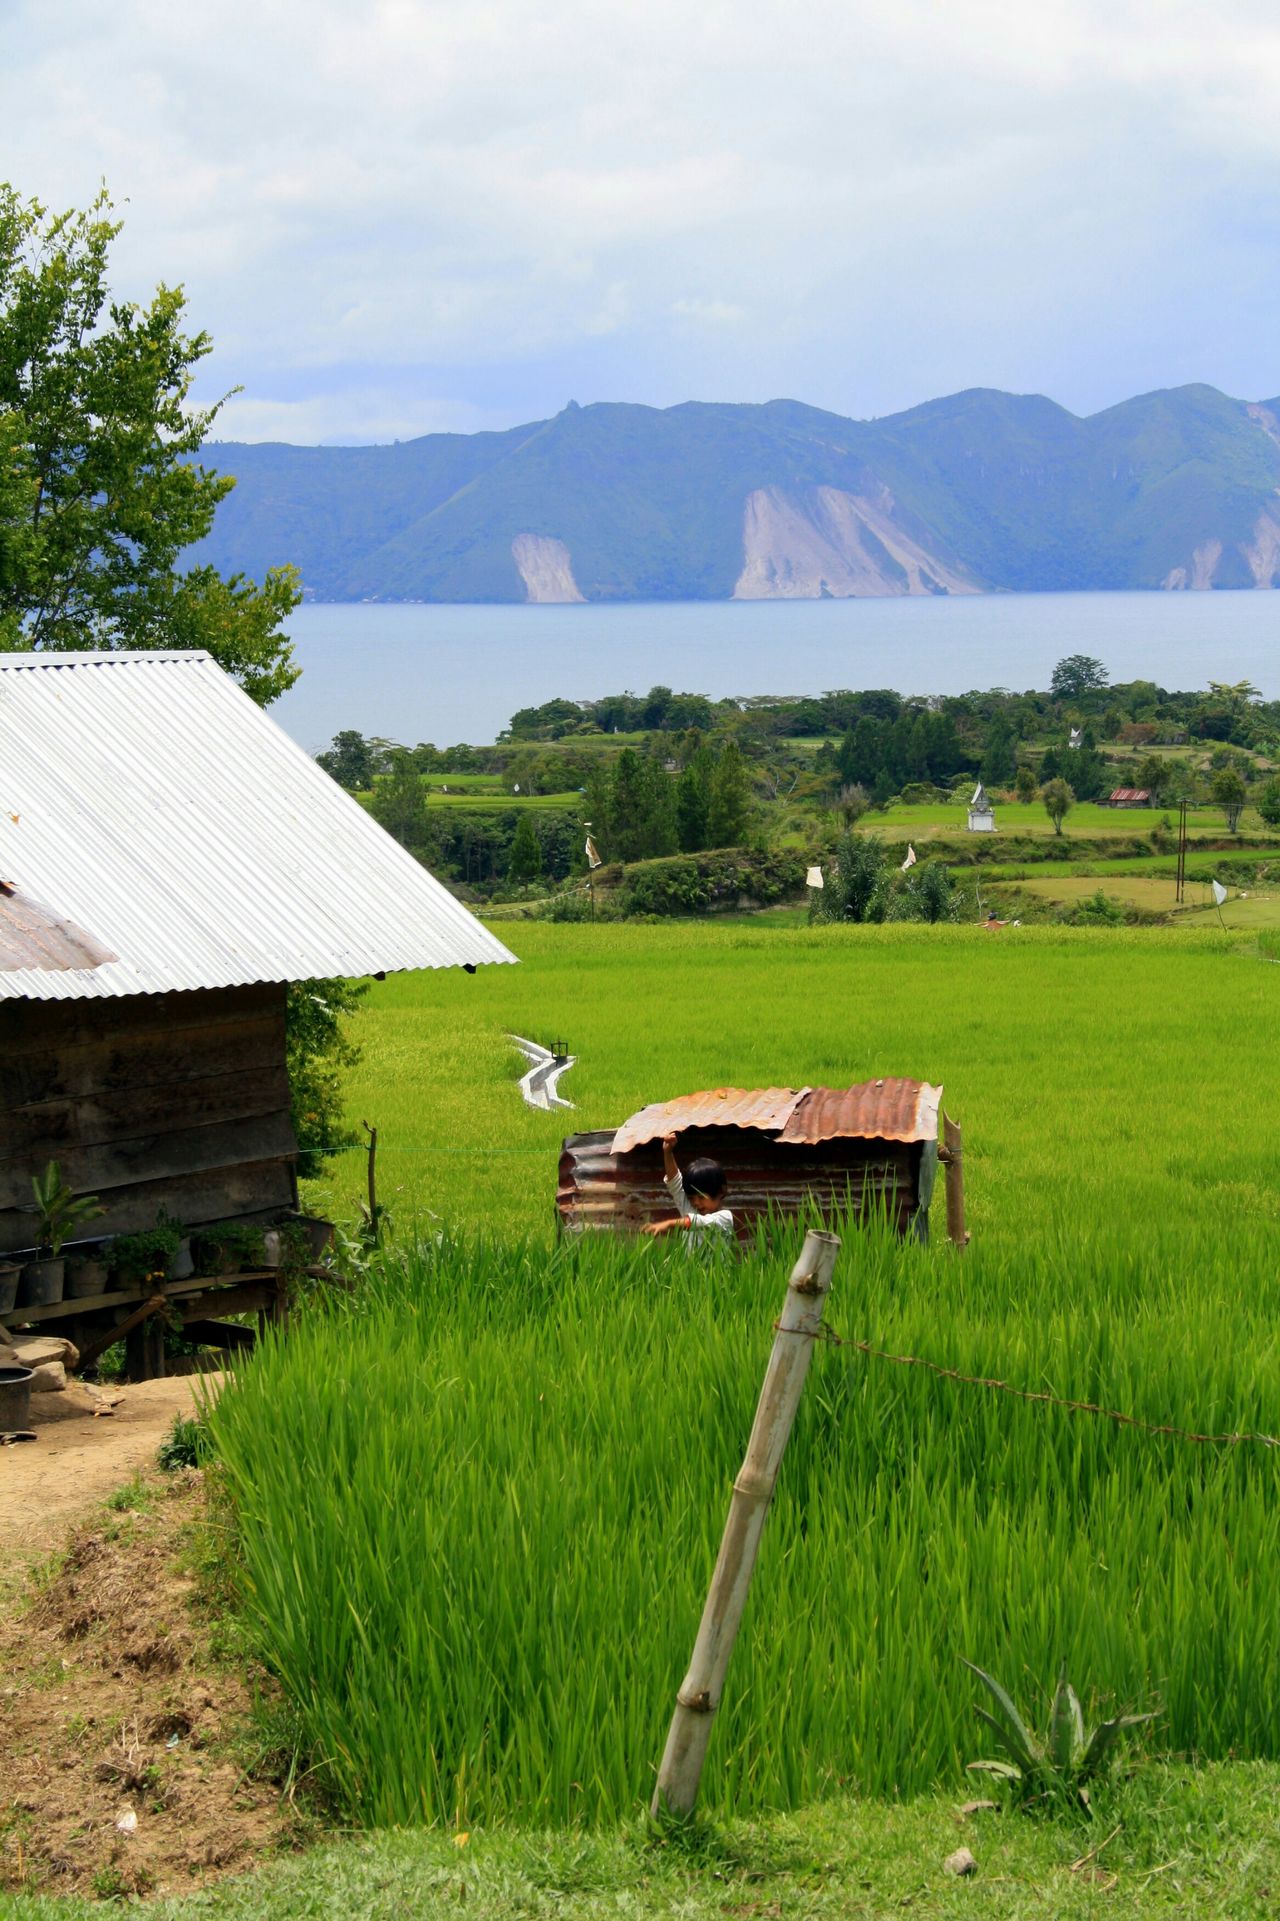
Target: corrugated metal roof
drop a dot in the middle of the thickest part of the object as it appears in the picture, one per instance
(1130, 793)
(32, 936)
(145, 797)
(885, 1110)
(768, 1108)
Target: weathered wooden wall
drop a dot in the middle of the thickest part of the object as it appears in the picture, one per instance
(178, 1101)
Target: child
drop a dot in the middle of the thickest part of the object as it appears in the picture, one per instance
(698, 1198)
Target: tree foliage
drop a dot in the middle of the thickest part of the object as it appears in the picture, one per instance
(1058, 801)
(1078, 676)
(317, 1049)
(100, 492)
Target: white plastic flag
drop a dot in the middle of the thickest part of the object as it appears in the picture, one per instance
(910, 861)
(814, 878)
(1219, 893)
(593, 858)
(1077, 736)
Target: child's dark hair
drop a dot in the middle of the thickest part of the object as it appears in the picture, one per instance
(705, 1178)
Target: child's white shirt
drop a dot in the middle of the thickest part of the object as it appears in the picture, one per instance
(720, 1222)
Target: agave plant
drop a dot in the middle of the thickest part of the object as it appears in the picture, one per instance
(1066, 1761)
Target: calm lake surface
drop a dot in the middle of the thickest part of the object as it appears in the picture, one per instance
(448, 674)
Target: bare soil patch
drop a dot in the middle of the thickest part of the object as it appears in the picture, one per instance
(124, 1748)
(81, 1454)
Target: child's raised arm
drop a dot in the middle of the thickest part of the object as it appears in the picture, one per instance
(669, 1164)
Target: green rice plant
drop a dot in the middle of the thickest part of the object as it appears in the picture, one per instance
(479, 1501)
(1062, 1767)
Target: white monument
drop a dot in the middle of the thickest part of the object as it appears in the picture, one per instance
(982, 819)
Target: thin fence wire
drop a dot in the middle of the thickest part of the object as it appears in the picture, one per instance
(1033, 1394)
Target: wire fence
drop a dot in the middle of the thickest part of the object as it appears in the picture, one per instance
(1042, 1395)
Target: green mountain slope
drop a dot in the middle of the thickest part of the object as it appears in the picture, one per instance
(979, 491)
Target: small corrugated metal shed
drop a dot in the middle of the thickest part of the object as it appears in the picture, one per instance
(149, 804)
(1129, 797)
(784, 1150)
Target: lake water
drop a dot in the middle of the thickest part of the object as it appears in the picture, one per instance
(448, 674)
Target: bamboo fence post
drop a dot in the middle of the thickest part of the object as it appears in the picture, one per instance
(952, 1158)
(699, 1694)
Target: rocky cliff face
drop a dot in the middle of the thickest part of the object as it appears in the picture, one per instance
(827, 544)
(545, 568)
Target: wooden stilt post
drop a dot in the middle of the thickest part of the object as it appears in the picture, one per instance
(699, 1693)
(952, 1158)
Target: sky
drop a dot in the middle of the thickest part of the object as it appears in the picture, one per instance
(406, 217)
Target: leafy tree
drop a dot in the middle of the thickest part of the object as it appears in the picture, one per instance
(659, 808)
(852, 803)
(1058, 801)
(693, 802)
(730, 798)
(399, 803)
(317, 1048)
(1078, 676)
(627, 808)
(1229, 793)
(524, 863)
(1268, 802)
(1000, 754)
(928, 894)
(1025, 784)
(350, 761)
(101, 495)
(859, 889)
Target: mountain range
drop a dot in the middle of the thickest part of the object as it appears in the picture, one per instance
(979, 492)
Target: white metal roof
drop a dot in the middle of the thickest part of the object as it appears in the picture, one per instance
(145, 799)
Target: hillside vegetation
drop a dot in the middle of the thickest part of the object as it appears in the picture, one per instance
(980, 491)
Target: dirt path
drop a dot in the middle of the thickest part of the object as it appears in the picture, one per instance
(49, 1484)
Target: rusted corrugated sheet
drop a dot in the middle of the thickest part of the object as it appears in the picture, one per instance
(884, 1110)
(887, 1110)
(34, 936)
(767, 1108)
(601, 1189)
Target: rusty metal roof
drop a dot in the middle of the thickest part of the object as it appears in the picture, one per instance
(768, 1108)
(887, 1110)
(34, 936)
(884, 1110)
(1130, 793)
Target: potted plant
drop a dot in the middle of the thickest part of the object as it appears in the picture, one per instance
(228, 1246)
(145, 1256)
(87, 1271)
(59, 1211)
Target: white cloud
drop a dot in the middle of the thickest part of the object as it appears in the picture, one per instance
(886, 196)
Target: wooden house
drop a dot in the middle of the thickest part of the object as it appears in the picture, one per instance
(784, 1150)
(170, 860)
(1129, 797)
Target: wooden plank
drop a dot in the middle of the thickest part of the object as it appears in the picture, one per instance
(29, 1026)
(45, 1131)
(213, 1194)
(115, 1063)
(227, 1294)
(161, 1155)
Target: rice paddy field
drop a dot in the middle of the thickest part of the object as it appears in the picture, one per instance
(478, 1502)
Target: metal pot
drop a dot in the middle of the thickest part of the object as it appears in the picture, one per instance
(40, 1284)
(15, 1399)
(87, 1274)
(181, 1266)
